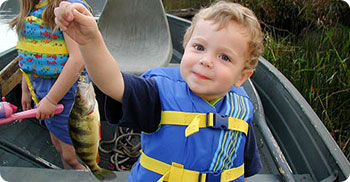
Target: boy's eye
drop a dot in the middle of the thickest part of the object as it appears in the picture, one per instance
(225, 58)
(199, 47)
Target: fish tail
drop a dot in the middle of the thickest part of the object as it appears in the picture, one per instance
(104, 174)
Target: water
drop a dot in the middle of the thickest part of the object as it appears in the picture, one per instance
(8, 37)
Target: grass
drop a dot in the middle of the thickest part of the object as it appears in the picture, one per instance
(318, 64)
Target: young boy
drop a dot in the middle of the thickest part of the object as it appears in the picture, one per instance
(196, 120)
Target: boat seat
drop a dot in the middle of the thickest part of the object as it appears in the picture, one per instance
(137, 34)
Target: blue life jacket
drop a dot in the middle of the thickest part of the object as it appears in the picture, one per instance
(209, 150)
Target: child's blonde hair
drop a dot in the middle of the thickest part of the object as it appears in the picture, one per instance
(27, 6)
(224, 12)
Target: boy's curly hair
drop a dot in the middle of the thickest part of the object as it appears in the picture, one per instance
(224, 12)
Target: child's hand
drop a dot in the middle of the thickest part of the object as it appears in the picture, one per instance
(45, 109)
(26, 100)
(76, 21)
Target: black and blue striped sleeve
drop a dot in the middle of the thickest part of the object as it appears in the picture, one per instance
(140, 108)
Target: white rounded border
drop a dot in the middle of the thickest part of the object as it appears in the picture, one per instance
(347, 1)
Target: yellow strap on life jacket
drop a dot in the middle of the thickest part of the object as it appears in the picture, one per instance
(194, 121)
(30, 87)
(177, 173)
(33, 47)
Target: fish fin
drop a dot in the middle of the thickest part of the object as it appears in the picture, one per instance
(98, 158)
(100, 137)
(99, 127)
(104, 174)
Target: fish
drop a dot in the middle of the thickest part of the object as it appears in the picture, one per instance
(84, 130)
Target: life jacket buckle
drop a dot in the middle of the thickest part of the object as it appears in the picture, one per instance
(218, 121)
(210, 177)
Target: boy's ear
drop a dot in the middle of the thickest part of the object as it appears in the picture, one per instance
(247, 73)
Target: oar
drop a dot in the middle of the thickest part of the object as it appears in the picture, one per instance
(137, 34)
(27, 114)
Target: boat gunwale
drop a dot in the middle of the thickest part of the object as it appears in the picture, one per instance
(292, 94)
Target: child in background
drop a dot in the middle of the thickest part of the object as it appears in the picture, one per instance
(196, 119)
(51, 64)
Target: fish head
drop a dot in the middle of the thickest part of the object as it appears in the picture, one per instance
(85, 98)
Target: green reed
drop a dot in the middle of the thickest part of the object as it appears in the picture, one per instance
(318, 64)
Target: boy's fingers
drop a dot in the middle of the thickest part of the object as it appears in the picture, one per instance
(80, 12)
(68, 12)
(78, 16)
(64, 12)
(61, 23)
(81, 9)
(61, 15)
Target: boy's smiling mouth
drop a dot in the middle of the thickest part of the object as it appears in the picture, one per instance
(201, 77)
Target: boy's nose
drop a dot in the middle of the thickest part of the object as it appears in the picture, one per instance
(206, 62)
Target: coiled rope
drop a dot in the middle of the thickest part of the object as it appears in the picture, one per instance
(125, 150)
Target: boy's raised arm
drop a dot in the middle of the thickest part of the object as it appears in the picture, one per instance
(75, 20)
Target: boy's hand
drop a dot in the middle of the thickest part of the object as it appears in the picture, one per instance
(76, 21)
(45, 110)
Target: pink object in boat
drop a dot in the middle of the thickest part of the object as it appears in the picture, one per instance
(7, 112)
(6, 109)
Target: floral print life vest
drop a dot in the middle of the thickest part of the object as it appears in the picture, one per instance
(41, 51)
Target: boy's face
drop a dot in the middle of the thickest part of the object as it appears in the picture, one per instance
(214, 60)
